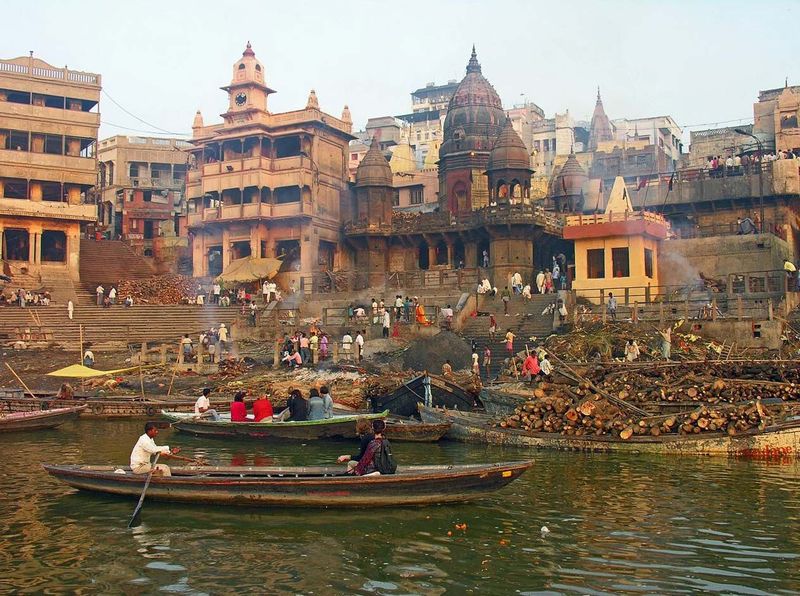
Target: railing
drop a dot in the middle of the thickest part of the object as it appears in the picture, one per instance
(154, 182)
(602, 218)
(51, 73)
(730, 229)
(351, 281)
(337, 316)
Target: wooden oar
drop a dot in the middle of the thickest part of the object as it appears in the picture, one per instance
(136, 518)
(20, 380)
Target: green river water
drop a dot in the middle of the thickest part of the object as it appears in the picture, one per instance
(617, 525)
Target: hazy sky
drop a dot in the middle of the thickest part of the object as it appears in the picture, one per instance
(701, 62)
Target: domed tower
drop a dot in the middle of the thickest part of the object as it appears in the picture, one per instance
(509, 168)
(373, 212)
(475, 118)
(567, 189)
(247, 90)
(600, 129)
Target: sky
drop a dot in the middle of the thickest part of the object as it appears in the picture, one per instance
(700, 61)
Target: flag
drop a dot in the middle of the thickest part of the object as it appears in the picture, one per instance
(642, 183)
(671, 181)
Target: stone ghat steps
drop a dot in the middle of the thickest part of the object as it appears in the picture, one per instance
(116, 327)
(525, 320)
(109, 261)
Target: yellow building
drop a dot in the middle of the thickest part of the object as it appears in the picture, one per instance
(616, 251)
(263, 184)
(48, 134)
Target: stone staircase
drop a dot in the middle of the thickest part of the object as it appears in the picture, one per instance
(116, 327)
(525, 320)
(109, 261)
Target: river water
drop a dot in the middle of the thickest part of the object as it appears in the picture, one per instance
(617, 525)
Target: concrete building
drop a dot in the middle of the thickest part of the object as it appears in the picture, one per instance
(426, 120)
(141, 182)
(776, 119)
(48, 134)
(266, 184)
(716, 142)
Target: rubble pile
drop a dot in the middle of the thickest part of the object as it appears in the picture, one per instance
(159, 289)
(430, 353)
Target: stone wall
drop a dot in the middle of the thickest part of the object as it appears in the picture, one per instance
(682, 261)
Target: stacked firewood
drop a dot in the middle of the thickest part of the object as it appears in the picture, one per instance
(596, 416)
(159, 289)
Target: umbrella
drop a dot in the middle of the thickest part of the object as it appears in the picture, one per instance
(250, 269)
(78, 371)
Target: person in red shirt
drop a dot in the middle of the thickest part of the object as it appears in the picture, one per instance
(238, 409)
(530, 368)
(262, 409)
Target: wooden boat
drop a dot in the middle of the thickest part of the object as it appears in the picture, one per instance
(118, 406)
(411, 430)
(22, 421)
(499, 402)
(777, 441)
(338, 427)
(299, 486)
(403, 400)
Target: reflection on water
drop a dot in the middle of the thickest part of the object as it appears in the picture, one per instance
(617, 524)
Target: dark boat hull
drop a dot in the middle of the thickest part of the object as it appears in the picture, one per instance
(403, 400)
(25, 421)
(300, 487)
(781, 441)
(107, 407)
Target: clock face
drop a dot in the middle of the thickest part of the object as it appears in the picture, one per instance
(240, 99)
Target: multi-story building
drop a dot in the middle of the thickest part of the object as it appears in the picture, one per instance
(776, 119)
(48, 132)
(426, 120)
(716, 142)
(266, 184)
(141, 181)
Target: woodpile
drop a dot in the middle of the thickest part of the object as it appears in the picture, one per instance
(159, 289)
(596, 416)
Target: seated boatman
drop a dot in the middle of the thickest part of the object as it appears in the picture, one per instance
(202, 407)
(145, 448)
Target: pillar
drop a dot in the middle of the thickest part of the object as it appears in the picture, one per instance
(35, 191)
(309, 250)
(451, 255)
(73, 194)
(73, 147)
(226, 248)
(37, 143)
(255, 239)
(431, 256)
(470, 255)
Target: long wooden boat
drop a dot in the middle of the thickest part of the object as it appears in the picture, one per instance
(414, 431)
(122, 406)
(23, 421)
(403, 400)
(499, 402)
(299, 486)
(778, 441)
(338, 427)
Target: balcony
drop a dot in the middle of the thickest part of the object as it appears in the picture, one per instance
(47, 210)
(48, 167)
(35, 115)
(249, 211)
(160, 183)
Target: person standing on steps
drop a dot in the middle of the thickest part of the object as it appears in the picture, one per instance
(487, 361)
(100, 291)
(611, 306)
(506, 297)
(387, 323)
(112, 295)
(492, 327)
(540, 282)
(510, 342)
(70, 309)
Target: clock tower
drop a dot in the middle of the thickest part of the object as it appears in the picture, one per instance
(247, 91)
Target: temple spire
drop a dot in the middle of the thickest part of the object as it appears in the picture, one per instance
(473, 65)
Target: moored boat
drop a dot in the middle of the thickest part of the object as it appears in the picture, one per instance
(23, 421)
(120, 406)
(776, 441)
(403, 400)
(298, 486)
(415, 431)
(338, 427)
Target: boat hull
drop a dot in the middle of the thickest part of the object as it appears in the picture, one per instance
(501, 403)
(25, 421)
(299, 487)
(774, 442)
(338, 427)
(416, 432)
(105, 407)
(403, 400)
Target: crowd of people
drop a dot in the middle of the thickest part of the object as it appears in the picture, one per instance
(401, 310)
(735, 165)
(22, 298)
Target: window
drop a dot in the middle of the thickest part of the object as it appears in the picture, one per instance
(620, 262)
(147, 196)
(54, 246)
(133, 170)
(648, 262)
(287, 147)
(18, 140)
(596, 263)
(546, 144)
(417, 195)
(552, 144)
(396, 198)
(287, 194)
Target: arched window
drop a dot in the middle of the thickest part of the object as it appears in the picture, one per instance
(241, 66)
(258, 67)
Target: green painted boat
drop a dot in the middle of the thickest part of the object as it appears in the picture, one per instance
(338, 427)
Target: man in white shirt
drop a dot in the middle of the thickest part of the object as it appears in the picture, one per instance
(202, 407)
(100, 291)
(447, 315)
(112, 295)
(540, 282)
(223, 338)
(145, 448)
(387, 323)
(347, 344)
(359, 346)
(265, 292)
(216, 289)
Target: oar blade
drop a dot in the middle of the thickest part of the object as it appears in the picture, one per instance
(136, 519)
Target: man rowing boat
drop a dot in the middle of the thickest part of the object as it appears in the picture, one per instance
(145, 448)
